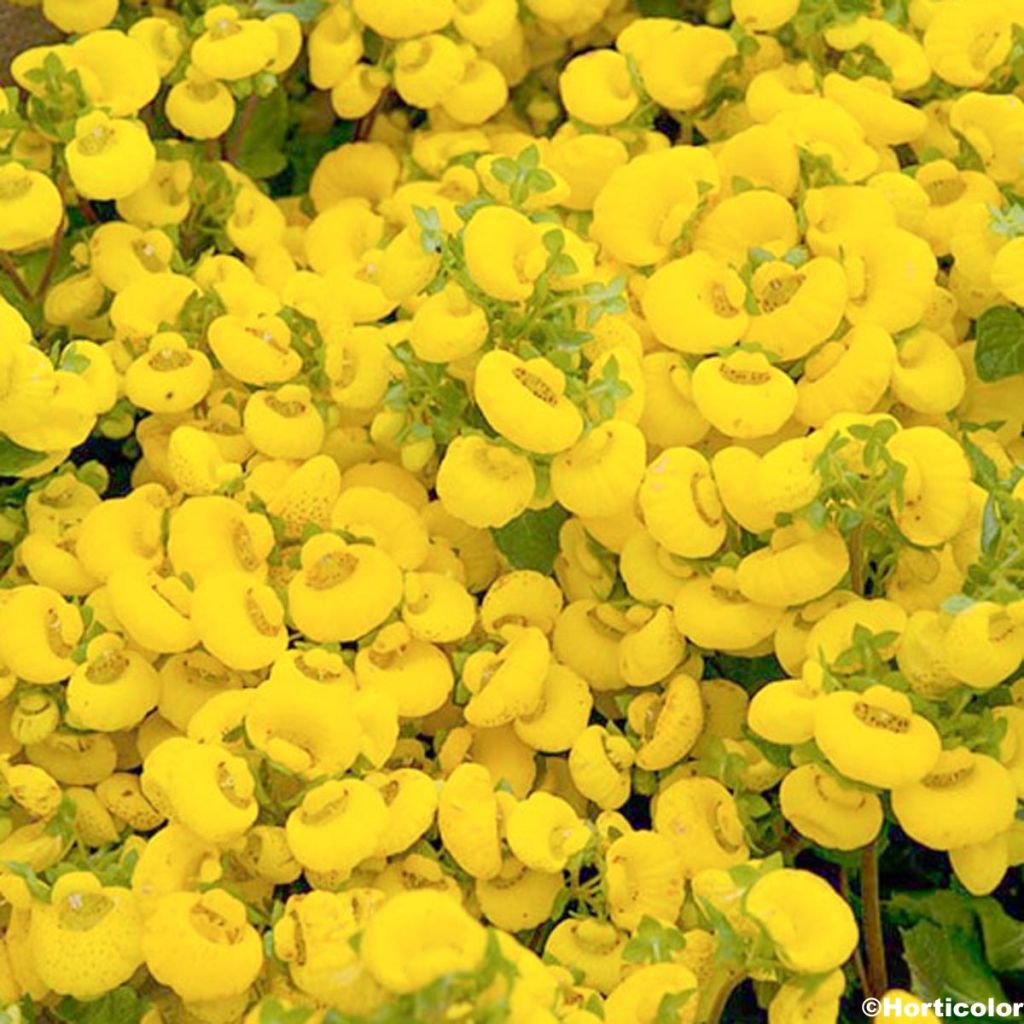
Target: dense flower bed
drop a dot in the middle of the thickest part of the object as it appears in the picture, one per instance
(511, 512)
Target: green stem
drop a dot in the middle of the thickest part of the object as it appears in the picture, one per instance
(11, 271)
(871, 914)
(718, 1004)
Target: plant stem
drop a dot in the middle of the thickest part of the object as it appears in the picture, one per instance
(856, 563)
(234, 143)
(51, 262)
(871, 914)
(7, 267)
(717, 1008)
(858, 957)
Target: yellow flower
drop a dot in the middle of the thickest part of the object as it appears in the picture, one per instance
(239, 620)
(696, 304)
(342, 590)
(783, 711)
(965, 798)
(508, 684)
(850, 374)
(638, 999)
(304, 724)
(678, 62)
(200, 107)
(204, 787)
(600, 764)
(119, 71)
(418, 937)
(80, 15)
(201, 945)
(652, 648)
(984, 644)
(590, 946)
(416, 674)
(322, 832)
(814, 931)
(668, 723)
(795, 1003)
(699, 816)
(109, 158)
(405, 18)
(427, 68)
(214, 534)
(980, 867)
(312, 938)
(886, 121)
(826, 130)
(33, 789)
(38, 634)
(525, 401)
(255, 349)
(644, 205)
(31, 208)
(743, 395)
(601, 473)
(680, 505)
(170, 377)
(798, 307)
(965, 42)
(759, 16)
(891, 275)
(596, 88)
(670, 418)
(935, 485)
(232, 47)
(114, 689)
(467, 818)
(644, 878)
(448, 326)
(713, 613)
(799, 565)
(504, 252)
(561, 715)
(543, 832)
(518, 897)
(87, 939)
(829, 812)
(482, 92)
(875, 737)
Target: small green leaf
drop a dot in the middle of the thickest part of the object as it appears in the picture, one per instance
(1002, 936)
(530, 541)
(263, 131)
(304, 10)
(14, 459)
(999, 351)
(121, 1006)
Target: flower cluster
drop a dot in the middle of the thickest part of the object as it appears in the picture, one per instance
(502, 560)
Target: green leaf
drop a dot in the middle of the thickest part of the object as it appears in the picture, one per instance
(304, 10)
(121, 1006)
(947, 963)
(653, 943)
(14, 459)
(272, 1011)
(530, 541)
(263, 131)
(999, 351)
(36, 886)
(671, 1005)
(1002, 936)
